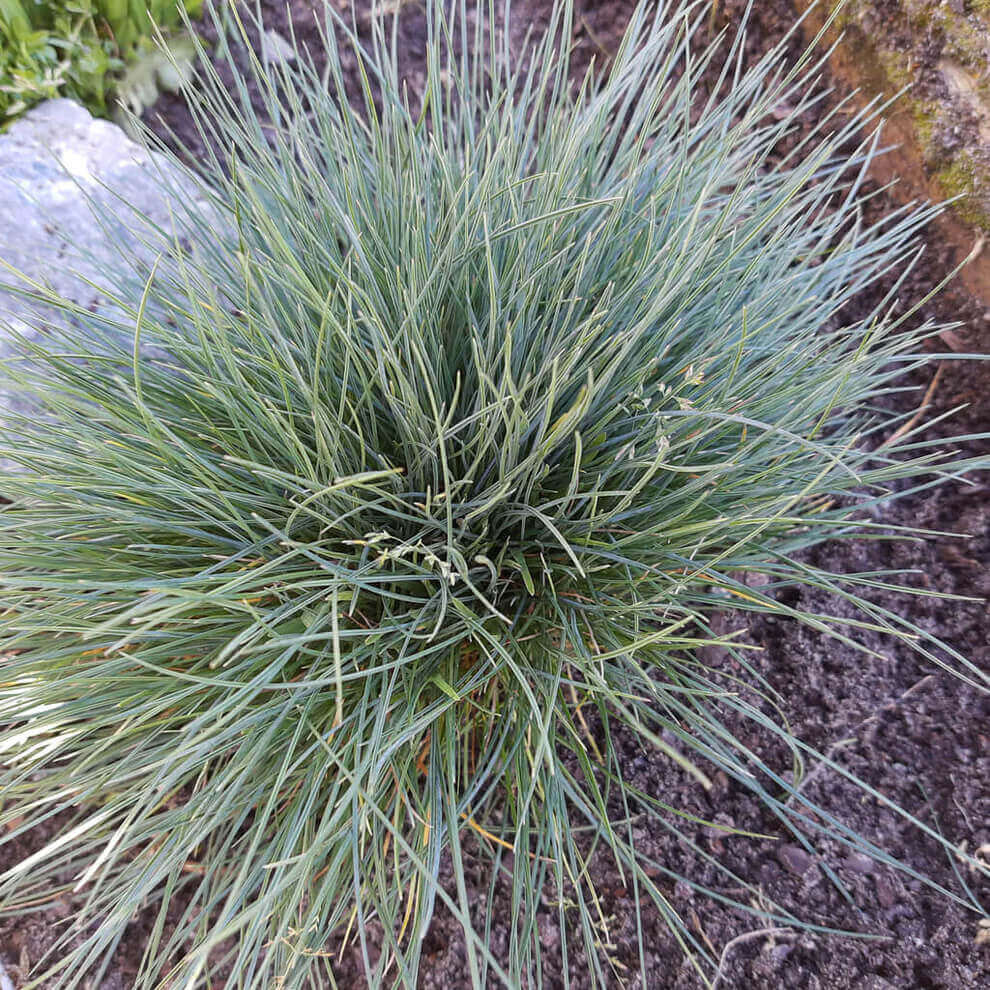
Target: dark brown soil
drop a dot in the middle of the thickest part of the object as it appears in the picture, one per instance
(914, 733)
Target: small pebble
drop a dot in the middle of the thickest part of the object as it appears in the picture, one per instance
(794, 859)
(780, 952)
(886, 894)
(859, 863)
(274, 48)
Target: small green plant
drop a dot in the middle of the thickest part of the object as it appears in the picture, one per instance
(73, 48)
(411, 474)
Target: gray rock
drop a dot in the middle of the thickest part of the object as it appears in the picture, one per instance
(56, 164)
(64, 226)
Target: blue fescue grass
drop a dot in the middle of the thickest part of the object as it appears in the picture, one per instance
(463, 412)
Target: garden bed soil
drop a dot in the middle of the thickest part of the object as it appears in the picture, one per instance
(916, 734)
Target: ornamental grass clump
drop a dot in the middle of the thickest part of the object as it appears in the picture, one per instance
(402, 479)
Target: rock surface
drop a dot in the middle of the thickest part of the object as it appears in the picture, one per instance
(58, 163)
(936, 53)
